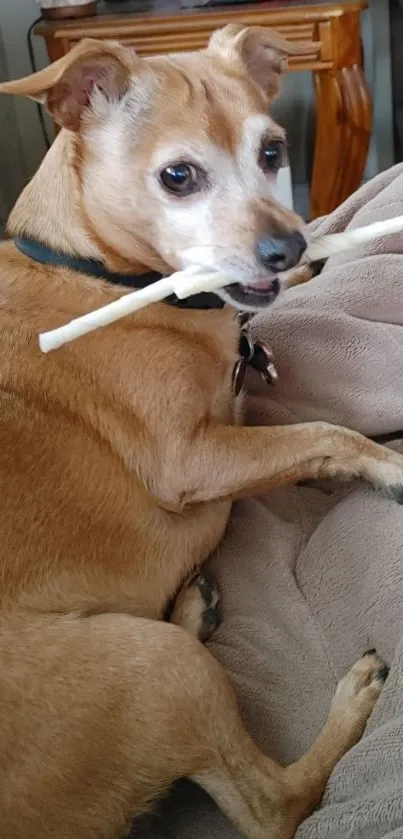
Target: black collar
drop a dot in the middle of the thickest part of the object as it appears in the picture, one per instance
(256, 354)
(91, 268)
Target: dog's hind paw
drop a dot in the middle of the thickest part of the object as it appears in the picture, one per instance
(357, 694)
(385, 471)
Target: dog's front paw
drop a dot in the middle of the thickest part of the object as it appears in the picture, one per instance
(356, 695)
(386, 473)
(196, 607)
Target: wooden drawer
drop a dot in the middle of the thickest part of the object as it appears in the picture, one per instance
(152, 36)
(160, 38)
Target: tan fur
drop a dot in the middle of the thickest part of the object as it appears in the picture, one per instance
(120, 456)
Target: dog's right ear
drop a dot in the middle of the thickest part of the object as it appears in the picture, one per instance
(258, 51)
(66, 86)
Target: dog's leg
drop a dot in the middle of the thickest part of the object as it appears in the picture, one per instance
(302, 274)
(112, 709)
(267, 802)
(231, 462)
(196, 607)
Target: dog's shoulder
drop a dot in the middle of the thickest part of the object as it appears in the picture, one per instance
(161, 356)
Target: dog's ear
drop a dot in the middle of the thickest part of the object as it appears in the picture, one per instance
(66, 86)
(260, 52)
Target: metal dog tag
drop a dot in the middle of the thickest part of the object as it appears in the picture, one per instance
(263, 362)
(258, 355)
(238, 376)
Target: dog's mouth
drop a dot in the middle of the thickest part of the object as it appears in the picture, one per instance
(256, 295)
(258, 290)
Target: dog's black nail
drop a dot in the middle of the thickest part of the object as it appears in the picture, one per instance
(396, 492)
(383, 673)
(370, 652)
(211, 618)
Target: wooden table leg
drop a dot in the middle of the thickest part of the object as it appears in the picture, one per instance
(343, 126)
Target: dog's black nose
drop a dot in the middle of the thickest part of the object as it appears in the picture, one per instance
(280, 252)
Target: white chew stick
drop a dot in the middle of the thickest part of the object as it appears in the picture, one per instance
(334, 243)
(126, 306)
(194, 280)
(186, 283)
(102, 317)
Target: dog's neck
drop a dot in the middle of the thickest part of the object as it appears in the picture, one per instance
(48, 209)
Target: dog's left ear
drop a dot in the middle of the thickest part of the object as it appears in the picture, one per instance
(66, 87)
(260, 52)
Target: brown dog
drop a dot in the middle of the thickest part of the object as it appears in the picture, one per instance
(120, 454)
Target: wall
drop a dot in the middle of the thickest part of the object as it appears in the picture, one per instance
(295, 110)
(11, 168)
(15, 18)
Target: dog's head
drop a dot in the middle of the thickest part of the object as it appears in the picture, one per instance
(177, 157)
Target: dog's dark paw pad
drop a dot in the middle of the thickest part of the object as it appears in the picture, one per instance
(211, 619)
(207, 586)
(396, 492)
(383, 673)
(211, 616)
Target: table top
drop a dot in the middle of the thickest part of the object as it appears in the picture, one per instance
(120, 12)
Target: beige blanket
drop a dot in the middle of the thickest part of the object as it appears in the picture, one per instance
(312, 577)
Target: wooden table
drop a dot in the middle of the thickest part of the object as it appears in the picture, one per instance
(343, 118)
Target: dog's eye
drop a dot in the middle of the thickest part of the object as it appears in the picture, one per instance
(271, 155)
(182, 178)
